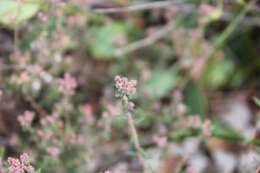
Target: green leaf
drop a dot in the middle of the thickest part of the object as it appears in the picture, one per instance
(213, 16)
(182, 133)
(13, 12)
(218, 73)
(257, 101)
(195, 100)
(161, 83)
(38, 171)
(104, 40)
(27, 39)
(220, 131)
(2, 152)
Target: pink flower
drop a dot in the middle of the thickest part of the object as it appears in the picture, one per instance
(78, 21)
(25, 158)
(47, 120)
(160, 141)
(13, 140)
(206, 9)
(67, 84)
(130, 105)
(20, 166)
(29, 168)
(193, 121)
(112, 110)
(80, 140)
(53, 151)
(52, 119)
(26, 118)
(191, 169)
(14, 165)
(46, 135)
(42, 17)
(121, 167)
(125, 86)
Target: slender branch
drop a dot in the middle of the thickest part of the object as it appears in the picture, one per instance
(258, 170)
(11, 66)
(232, 26)
(138, 7)
(224, 36)
(134, 132)
(36, 106)
(146, 41)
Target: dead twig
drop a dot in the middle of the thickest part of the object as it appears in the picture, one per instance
(157, 35)
(138, 7)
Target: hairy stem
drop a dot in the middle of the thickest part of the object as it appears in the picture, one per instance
(136, 139)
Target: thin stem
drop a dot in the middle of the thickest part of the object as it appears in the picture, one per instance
(134, 132)
(136, 139)
(138, 7)
(16, 37)
(232, 26)
(16, 27)
(162, 32)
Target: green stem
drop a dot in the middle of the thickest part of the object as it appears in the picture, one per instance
(232, 26)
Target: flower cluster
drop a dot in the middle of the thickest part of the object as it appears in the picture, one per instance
(125, 86)
(20, 165)
(67, 84)
(26, 118)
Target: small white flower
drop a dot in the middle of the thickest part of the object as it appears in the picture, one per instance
(36, 85)
(46, 77)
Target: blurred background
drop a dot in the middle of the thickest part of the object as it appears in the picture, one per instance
(197, 66)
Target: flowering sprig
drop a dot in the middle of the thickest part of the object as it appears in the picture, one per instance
(125, 89)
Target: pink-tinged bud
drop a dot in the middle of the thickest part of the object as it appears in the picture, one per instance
(29, 169)
(191, 169)
(193, 122)
(206, 9)
(25, 158)
(112, 110)
(53, 151)
(26, 118)
(130, 105)
(206, 128)
(42, 17)
(67, 84)
(88, 114)
(13, 140)
(160, 141)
